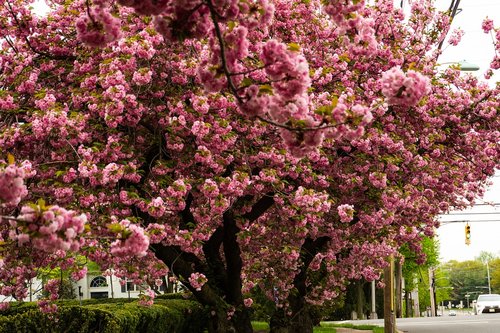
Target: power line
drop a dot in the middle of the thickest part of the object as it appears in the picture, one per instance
(463, 221)
(481, 213)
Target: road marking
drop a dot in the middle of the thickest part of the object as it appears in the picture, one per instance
(465, 322)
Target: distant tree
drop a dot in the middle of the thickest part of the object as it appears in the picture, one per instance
(485, 256)
(467, 278)
(495, 275)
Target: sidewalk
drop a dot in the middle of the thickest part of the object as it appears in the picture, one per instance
(351, 330)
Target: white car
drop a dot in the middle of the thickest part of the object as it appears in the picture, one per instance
(488, 303)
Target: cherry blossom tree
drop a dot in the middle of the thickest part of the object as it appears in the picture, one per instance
(287, 146)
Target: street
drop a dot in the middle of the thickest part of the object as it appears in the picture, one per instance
(486, 323)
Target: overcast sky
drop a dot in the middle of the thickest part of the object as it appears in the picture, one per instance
(477, 48)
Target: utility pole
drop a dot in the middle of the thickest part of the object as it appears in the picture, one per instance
(373, 314)
(389, 318)
(489, 281)
(431, 292)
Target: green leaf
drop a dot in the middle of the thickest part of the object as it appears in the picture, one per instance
(10, 159)
(114, 227)
(41, 204)
(246, 82)
(294, 47)
(266, 89)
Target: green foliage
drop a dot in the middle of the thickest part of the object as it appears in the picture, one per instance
(349, 325)
(175, 296)
(416, 275)
(467, 277)
(260, 325)
(324, 328)
(495, 275)
(66, 290)
(116, 315)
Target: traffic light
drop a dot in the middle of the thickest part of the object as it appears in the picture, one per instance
(467, 234)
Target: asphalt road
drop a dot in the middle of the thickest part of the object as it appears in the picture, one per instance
(486, 323)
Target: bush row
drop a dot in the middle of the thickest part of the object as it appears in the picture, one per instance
(109, 316)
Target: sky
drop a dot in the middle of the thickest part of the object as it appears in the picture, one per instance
(476, 48)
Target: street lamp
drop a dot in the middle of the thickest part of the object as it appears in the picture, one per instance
(463, 65)
(467, 66)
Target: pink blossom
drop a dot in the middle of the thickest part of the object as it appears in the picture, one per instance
(147, 298)
(455, 37)
(346, 213)
(248, 302)
(404, 89)
(12, 188)
(98, 29)
(487, 25)
(47, 307)
(79, 274)
(197, 280)
(133, 241)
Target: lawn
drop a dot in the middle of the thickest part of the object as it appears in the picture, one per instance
(260, 326)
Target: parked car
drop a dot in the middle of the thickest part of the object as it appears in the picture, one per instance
(488, 303)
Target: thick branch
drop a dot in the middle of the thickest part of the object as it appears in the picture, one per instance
(260, 207)
(234, 263)
(307, 253)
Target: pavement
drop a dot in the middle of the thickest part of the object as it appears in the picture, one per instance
(351, 330)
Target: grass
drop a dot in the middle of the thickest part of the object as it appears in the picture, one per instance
(325, 328)
(260, 325)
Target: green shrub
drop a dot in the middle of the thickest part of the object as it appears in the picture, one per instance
(107, 316)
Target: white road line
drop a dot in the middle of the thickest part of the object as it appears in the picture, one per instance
(445, 323)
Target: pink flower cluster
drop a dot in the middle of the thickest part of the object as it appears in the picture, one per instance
(379, 180)
(288, 68)
(7, 102)
(147, 298)
(197, 280)
(146, 7)
(183, 19)
(455, 37)
(142, 76)
(98, 27)
(47, 307)
(341, 11)
(346, 213)
(248, 302)
(49, 229)
(79, 274)
(132, 241)
(12, 187)
(52, 287)
(404, 89)
(487, 25)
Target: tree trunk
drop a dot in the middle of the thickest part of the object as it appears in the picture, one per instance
(239, 322)
(399, 288)
(360, 299)
(300, 321)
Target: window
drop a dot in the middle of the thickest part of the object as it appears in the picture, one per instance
(129, 286)
(98, 281)
(99, 294)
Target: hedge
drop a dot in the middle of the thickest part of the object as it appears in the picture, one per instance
(113, 316)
